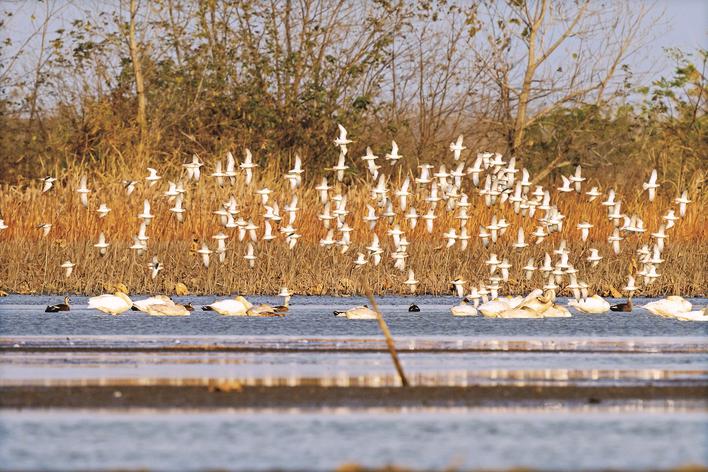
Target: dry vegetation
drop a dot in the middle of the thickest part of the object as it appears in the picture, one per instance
(30, 262)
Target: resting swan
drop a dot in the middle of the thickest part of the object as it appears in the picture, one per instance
(264, 310)
(143, 305)
(594, 304)
(361, 312)
(238, 306)
(696, 315)
(537, 304)
(464, 309)
(169, 309)
(494, 308)
(111, 304)
(669, 307)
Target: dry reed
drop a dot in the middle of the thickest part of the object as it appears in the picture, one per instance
(30, 263)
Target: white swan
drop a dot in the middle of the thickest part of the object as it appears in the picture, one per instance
(111, 304)
(168, 309)
(238, 306)
(493, 308)
(464, 309)
(696, 315)
(361, 312)
(519, 313)
(143, 305)
(594, 304)
(264, 310)
(556, 311)
(669, 307)
(531, 306)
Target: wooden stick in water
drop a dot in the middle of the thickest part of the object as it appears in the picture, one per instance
(389, 339)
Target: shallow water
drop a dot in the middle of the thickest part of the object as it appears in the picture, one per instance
(312, 347)
(555, 440)
(312, 316)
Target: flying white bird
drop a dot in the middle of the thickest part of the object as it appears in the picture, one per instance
(577, 178)
(593, 193)
(193, 168)
(584, 228)
(83, 191)
(45, 227)
(360, 260)
(152, 178)
(103, 210)
(566, 185)
(155, 267)
(529, 268)
(68, 267)
(47, 183)
(342, 138)
(146, 216)
(323, 190)
(594, 258)
(411, 281)
(218, 174)
(651, 185)
(520, 240)
(177, 209)
(341, 166)
(670, 218)
(682, 202)
(204, 251)
(403, 193)
(101, 245)
(457, 147)
(371, 217)
(250, 255)
(615, 239)
(129, 186)
(451, 237)
(393, 156)
(248, 165)
(370, 159)
(230, 167)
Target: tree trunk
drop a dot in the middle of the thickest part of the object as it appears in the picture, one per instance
(520, 122)
(138, 71)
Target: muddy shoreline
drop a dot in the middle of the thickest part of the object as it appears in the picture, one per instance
(234, 395)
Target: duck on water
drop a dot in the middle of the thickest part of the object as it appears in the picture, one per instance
(58, 307)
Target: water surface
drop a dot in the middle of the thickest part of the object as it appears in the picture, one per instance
(293, 440)
(312, 316)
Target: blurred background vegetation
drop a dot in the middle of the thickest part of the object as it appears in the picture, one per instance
(131, 83)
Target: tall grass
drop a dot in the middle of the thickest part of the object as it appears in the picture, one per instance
(30, 263)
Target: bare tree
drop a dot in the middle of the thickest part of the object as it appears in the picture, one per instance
(551, 54)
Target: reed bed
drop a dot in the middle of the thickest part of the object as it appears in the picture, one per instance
(30, 263)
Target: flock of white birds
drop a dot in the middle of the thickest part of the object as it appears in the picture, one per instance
(496, 181)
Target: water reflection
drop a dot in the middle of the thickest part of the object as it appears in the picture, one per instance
(664, 344)
(460, 378)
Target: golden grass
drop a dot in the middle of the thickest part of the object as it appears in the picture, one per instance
(30, 263)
